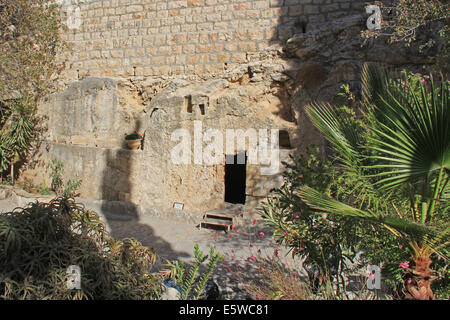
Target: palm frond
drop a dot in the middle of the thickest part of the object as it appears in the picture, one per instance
(411, 139)
(374, 81)
(337, 129)
(325, 204)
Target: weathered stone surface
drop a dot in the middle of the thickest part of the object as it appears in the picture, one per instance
(263, 88)
(92, 148)
(340, 39)
(331, 53)
(21, 198)
(89, 113)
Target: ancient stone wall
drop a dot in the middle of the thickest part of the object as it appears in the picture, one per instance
(87, 136)
(160, 66)
(126, 38)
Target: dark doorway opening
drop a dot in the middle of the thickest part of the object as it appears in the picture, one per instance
(188, 104)
(202, 108)
(285, 141)
(235, 178)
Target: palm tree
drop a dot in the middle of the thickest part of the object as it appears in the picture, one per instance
(401, 162)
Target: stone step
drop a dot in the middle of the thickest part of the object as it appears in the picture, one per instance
(225, 222)
(215, 223)
(221, 214)
(219, 218)
(229, 211)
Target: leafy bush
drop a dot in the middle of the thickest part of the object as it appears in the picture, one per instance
(324, 241)
(16, 133)
(277, 282)
(327, 242)
(305, 217)
(38, 243)
(395, 168)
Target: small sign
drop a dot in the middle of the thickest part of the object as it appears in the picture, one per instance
(178, 206)
(374, 280)
(74, 277)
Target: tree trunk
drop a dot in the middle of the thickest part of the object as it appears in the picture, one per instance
(12, 172)
(421, 278)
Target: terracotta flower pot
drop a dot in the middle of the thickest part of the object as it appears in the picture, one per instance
(134, 144)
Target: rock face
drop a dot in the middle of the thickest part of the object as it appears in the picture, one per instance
(88, 114)
(87, 123)
(181, 118)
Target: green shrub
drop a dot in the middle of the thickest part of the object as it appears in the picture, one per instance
(134, 136)
(324, 241)
(277, 282)
(395, 172)
(57, 183)
(44, 190)
(38, 243)
(324, 237)
(186, 278)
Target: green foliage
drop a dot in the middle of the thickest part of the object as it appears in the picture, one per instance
(441, 286)
(19, 133)
(314, 212)
(398, 167)
(44, 189)
(16, 133)
(4, 159)
(276, 282)
(324, 241)
(30, 41)
(57, 183)
(71, 187)
(38, 243)
(407, 21)
(133, 136)
(395, 150)
(187, 280)
(384, 249)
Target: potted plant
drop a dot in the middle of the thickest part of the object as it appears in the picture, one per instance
(134, 140)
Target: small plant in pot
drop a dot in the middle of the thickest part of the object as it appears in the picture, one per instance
(134, 140)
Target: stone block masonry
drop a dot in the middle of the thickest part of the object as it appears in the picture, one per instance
(126, 38)
(159, 66)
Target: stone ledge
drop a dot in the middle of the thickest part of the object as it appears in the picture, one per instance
(20, 197)
(109, 209)
(112, 148)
